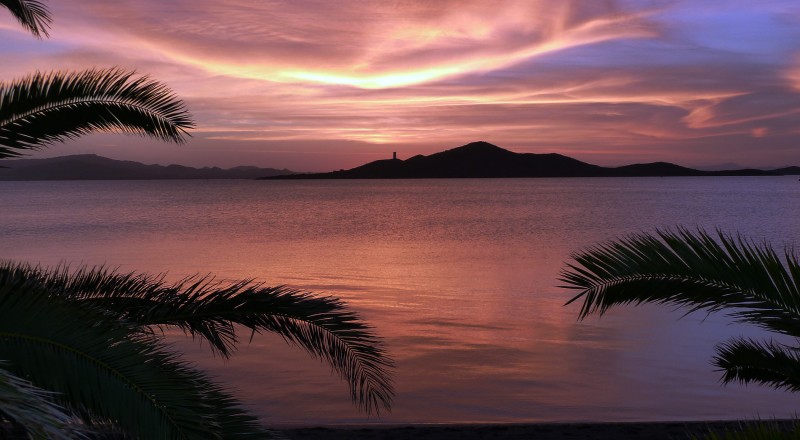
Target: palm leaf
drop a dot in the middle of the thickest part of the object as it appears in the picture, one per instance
(107, 373)
(770, 363)
(31, 14)
(44, 108)
(747, 280)
(33, 409)
(204, 308)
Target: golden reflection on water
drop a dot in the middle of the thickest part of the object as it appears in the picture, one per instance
(458, 277)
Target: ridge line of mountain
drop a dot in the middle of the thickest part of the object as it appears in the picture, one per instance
(474, 160)
(94, 167)
(485, 160)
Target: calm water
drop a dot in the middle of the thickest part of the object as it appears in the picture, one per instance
(458, 276)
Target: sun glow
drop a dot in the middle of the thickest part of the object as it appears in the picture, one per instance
(476, 52)
(379, 81)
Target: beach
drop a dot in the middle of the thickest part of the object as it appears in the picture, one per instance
(538, 431)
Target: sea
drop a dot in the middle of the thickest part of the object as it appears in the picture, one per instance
(458, 277)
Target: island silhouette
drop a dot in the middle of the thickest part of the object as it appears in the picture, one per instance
(485, 160)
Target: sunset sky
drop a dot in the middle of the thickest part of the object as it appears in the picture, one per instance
(315, 85)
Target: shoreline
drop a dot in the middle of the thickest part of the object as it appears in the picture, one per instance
(520, 431)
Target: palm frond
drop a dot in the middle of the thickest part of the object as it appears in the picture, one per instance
(766, 363)
(108, 373)
(34, 409)
(31, 14)
(211, 310)
(44, 108)
(692, 269)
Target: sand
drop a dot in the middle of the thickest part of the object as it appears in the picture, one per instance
(540, 431)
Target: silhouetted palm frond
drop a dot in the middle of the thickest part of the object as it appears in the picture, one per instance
(770, 363)
(32, 15)
(109, 373)
(748, 281)
(212, 310)
(33, 409)
(44, 108)
(742, 279)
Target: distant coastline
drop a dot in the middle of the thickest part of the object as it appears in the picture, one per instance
(93, 167)
(474, 160)
(485, 160)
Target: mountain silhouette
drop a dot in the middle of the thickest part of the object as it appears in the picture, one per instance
(788, 171)
(482, 160)
(475, 160)
(93, 167)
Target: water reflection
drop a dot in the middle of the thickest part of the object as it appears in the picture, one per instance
(458, 276)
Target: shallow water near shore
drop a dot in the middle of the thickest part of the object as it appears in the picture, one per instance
(458, 276)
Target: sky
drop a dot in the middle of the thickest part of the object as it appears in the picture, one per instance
(317, 85)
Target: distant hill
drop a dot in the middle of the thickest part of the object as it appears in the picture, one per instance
(788, 171)
(482, 159)
(93, 167)
(475, 160)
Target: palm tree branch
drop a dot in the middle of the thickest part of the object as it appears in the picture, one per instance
(73, 103)
(31, 14)
(34, 409)
(689, 269)
(27, 339)
(697, 292)
(44, 108)
(203, 307)
(766, 363)
(321, 326)
(88, 360)
(152, 391)
(220, 410)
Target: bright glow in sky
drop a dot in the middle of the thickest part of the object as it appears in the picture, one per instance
(321, 85)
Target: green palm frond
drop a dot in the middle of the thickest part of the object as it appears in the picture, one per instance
(33, 409)
(44, 108)
(108, 373)
(31, 14)
(211, 310)
(766, 363)
(746, 280)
